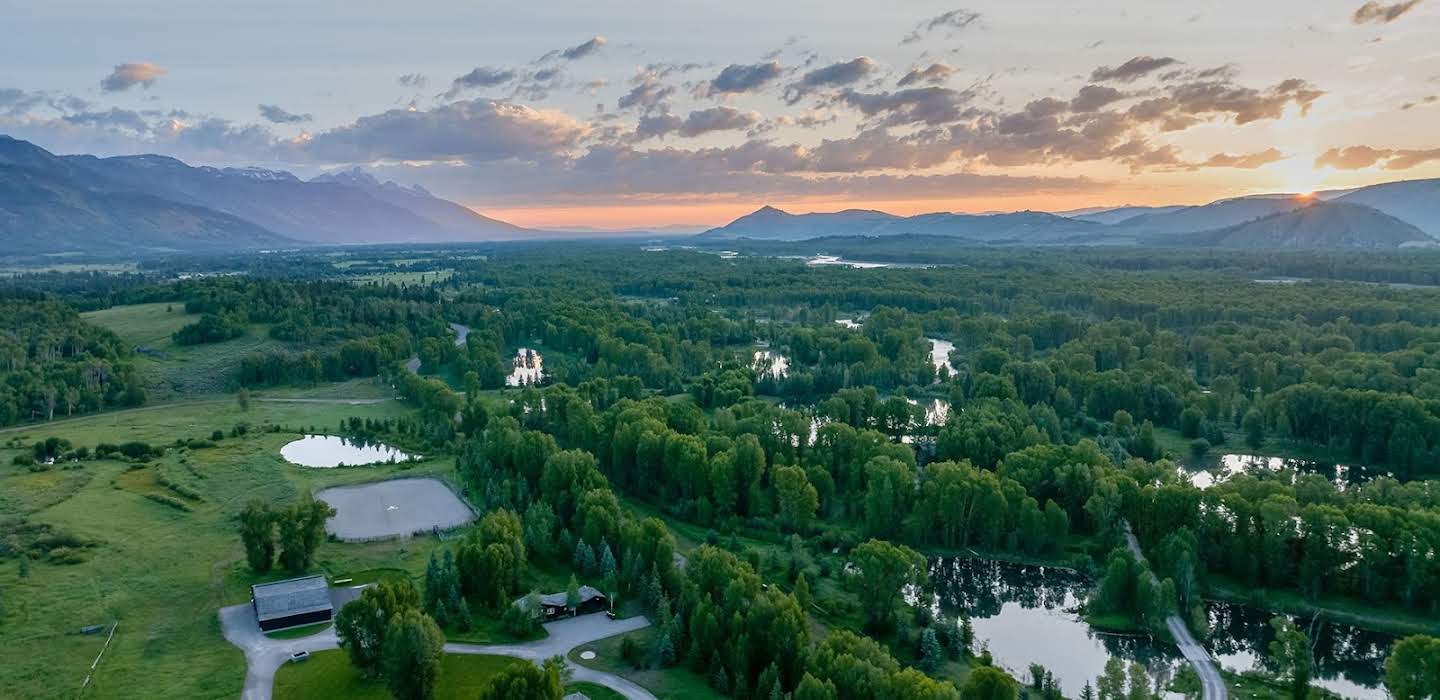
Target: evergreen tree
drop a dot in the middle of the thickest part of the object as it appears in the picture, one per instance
(932, 655)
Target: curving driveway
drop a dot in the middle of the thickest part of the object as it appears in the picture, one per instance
(263, 655)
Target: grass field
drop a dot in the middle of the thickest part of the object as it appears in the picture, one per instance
(162, 571)
(178, 370)
(676, 682)
(328, 674)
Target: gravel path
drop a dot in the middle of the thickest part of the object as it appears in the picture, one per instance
(264, 656)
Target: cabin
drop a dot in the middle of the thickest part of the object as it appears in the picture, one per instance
(554, 606)
(291, 603)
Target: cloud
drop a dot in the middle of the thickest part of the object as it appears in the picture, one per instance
(699, 122)
(736, 77)
(576, 53)
(472, 131)
(749, 171)
(479, 78)
(1131, 70)
(114, 118)
(16, 102)
(128, 75)
(647, 91)
(1186, 104)
(275, 115)
(933, 74)
(413, 80)
(1093, 97)
(1360, 157)
(835, 74)
(1375, 12)
(952, 20)
(1244, 161)
(928, 105)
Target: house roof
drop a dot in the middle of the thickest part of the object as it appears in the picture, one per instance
(558, 600)
(295, 596)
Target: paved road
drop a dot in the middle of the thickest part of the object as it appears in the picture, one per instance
(1211, 684)
(263, 655)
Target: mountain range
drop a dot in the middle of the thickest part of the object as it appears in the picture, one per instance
(151, 203)
(1380, 217)
(147, 204)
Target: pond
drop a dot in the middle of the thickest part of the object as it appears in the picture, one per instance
(770, 363)
(527, 368)
(327, 451)
(1027, 614)
(1227, 465)
(940, 354)
(393, 508)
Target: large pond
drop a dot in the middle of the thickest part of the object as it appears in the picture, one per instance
(1027, 614)
(327, 451)
(1228, 465)
(393, 508)
(527, 368)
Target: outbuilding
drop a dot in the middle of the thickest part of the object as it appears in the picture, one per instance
(293, 602)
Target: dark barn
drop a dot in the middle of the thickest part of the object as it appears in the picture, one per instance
(297, 601)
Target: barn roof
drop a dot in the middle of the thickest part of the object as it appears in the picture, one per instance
(295, 596)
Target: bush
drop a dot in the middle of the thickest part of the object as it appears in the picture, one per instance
(138, 450)
(171, 501)
(631, 652)
(23, 460)
(1199, 447)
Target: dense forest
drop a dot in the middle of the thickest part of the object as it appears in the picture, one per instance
(763, 396)
(56, 365)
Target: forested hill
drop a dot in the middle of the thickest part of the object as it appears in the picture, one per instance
(1322, 225)
(1396, 214)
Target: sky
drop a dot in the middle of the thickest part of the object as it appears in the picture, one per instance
(643, 113)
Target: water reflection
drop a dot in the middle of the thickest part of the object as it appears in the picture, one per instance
(1027, 614)
(527, 368)
(940, 354)
(1228, 465)
(1348, 660)
(327, 451)
(771, 364)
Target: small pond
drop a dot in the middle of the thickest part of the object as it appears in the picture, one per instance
(940, 354)
(393, 508)
(327, 451)
(1026, 614)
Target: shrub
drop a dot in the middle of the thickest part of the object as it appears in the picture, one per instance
(171, 501)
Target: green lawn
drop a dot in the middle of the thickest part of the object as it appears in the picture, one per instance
(677, 682)
(328, 674)
(594, 691)
(163, 572)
